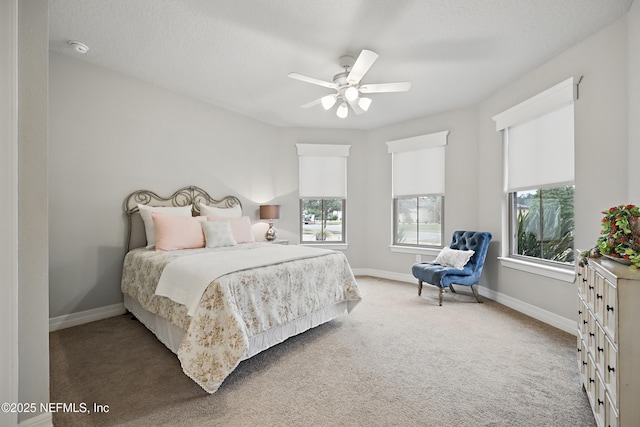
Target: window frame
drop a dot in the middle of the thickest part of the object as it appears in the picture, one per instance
(513, 233)
(396, 243)
(323, 242)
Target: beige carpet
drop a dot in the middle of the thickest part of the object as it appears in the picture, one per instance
(396, 360)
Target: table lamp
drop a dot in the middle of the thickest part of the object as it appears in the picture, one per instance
(270, 212)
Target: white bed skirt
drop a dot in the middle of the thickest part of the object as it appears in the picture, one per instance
(171, 335)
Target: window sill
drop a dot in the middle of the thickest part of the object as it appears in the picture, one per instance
(564, 274)
(414, 250)
(336, 246)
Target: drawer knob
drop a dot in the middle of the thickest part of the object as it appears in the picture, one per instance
(609, 307)
(591, 380)
(585, 322)
(584, 279)
(591, 334)
(579, 349)
(584, 363)
(600, 402)
(611, 368)
(579, 311)
(600, 349)
(598, 296)
(590, 287)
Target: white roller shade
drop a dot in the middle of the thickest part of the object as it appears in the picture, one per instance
(322, 171)
(541, 151)
(418, 164)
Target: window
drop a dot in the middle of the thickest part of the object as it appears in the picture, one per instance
(418, 220)
(543, 223)
(323, 192)
(539, 175)
(322, 220)
(418, 189)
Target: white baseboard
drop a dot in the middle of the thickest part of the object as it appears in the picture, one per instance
(75, 319)
(562, 323)
(42, 420)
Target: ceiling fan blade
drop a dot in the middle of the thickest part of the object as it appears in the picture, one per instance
(312, 103)
(361, 66)
(385, 87)
(355, 107)
(312, 80)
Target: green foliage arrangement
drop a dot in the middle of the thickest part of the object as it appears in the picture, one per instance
(620, 234)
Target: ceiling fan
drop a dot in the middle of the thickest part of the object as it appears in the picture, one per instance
(348, 87)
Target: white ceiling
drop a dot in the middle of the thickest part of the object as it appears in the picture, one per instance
(236, 54)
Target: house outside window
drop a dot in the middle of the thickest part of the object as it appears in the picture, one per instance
(418, 190)
(538, 142)
(418, 220)
(322, 192)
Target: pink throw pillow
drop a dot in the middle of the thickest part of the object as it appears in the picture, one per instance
(240, 228)
(176, 232)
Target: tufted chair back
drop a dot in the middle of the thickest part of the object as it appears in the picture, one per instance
(477, 241)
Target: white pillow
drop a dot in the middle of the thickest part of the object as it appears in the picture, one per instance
(453, 258)
(240, 228)
(234, 212)
(218, 234)
(149, 229)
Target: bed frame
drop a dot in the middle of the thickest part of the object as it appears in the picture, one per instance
(191, 195)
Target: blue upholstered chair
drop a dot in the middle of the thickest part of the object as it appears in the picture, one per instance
(443, 277)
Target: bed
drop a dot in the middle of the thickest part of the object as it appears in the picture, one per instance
(217, 305)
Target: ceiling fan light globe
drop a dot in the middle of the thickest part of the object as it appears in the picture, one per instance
(342, 111)
(351, 94)
(328, 101)
(364, 103)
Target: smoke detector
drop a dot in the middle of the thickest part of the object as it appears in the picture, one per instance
(79, 47)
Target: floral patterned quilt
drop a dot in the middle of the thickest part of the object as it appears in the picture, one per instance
(239, 305)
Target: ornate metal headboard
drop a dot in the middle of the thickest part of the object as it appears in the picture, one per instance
(191, 195)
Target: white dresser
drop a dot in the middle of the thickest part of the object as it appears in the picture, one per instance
(609, 341)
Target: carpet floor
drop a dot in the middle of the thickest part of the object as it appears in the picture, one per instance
(396, 360)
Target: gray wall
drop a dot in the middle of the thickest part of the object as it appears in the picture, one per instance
(110, 135)
(8, 209)
(33, 273)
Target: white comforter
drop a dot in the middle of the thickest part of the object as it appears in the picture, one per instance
(185, 279)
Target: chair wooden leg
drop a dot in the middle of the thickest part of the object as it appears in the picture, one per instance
(419, 287)
(452, 290)
(441, 296)
(475, 293)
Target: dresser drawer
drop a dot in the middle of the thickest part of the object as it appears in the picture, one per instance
(583, 318)
(599, 347)
(611, 414)
(610, 317)
(583, 361)
(598, 296)
(582, 280)
(590, 287)
(600, 401)
(610, 369)
(592, 327)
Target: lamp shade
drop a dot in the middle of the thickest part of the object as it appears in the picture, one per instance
(269, 211)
